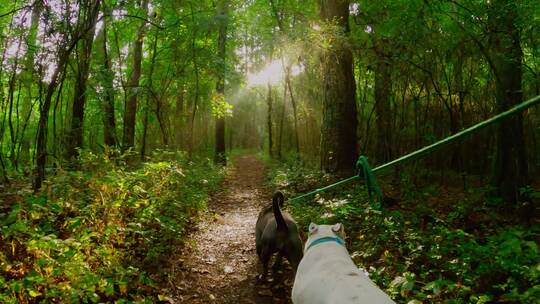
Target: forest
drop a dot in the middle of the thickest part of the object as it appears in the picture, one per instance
(139, 139)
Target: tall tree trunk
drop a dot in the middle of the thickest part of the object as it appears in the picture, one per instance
(107, 77)
(180, 119)
(145, 128)
(131, 103)
(11, 96)
(294, 107)
(269, 120)
(510, 165)
(219, 157)
(281, 121)
(148, 95)
(195, 103)
(90, 13)
(29, 76)
(383, 89)
(45, 105)
(338, 131)
(162, 120)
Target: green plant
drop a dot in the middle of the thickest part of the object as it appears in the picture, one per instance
(417, 253)
(95, 235)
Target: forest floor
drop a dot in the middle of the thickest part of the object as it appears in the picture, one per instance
(218, 263)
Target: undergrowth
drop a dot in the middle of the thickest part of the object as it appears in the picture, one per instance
(101, 233)
(420, 252)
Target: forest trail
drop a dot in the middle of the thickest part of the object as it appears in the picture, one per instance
(219, 263)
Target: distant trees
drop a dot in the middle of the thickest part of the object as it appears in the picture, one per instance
(424, 70)
(71, 72)
(358, 77)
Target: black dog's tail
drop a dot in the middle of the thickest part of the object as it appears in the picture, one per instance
(277, 202)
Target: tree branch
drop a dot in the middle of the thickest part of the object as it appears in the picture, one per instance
(16, 10)
(140, 18)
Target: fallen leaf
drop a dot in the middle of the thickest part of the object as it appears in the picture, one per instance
(265, 292)
(228, 269)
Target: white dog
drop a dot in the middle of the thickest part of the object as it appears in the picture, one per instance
(327, 274)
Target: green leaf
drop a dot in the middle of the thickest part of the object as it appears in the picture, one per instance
(34, 293)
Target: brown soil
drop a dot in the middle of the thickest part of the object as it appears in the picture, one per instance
(219, 263)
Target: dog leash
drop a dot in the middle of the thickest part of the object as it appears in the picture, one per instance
(367, 174)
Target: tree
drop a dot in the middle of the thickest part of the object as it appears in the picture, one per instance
(383, 90)
(89, 14)
(510, 170)
(269, 120)
(338, 131)
(219, 157)
(106, 77)
(131, 103)
(64, 52)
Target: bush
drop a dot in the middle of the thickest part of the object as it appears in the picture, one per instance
(97, 234)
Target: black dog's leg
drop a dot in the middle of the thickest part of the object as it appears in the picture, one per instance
(265, 259)
(277, 263)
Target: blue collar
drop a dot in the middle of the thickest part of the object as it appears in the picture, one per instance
(326, 239)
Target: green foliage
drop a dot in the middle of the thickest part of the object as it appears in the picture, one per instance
(220, 107)
(421, 255)
(97, 234)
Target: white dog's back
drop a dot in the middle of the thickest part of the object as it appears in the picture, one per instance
(327, 274)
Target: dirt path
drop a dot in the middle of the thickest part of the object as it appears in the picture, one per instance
(219, 263)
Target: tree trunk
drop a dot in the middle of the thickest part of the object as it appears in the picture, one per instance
(11, 96)
(195, 104)
(338, 131)
(28, 76)
(45, 105)
(75, 134)
(162, 120)
(149, 90)
(131, 104)
(510, 171)
(219, 157)
(295, 115)
(109, 123)
(281, 121)
(145, 129)
(383, 89)
(269, 120)
(180, 119)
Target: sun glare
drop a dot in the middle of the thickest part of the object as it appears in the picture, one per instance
(272, 73)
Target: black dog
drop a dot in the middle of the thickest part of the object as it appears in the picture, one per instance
(276, 231)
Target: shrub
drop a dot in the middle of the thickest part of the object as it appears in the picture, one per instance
(98, 234)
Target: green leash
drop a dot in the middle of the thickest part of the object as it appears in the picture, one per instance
(372, 187)
(367, 174)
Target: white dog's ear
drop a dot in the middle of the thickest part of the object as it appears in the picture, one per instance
(337, 228)
(313, 228)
